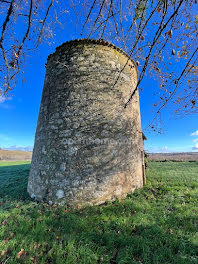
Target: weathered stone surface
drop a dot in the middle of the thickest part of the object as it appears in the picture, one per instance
(88, 148)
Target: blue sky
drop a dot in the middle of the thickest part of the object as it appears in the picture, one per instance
(18, 115)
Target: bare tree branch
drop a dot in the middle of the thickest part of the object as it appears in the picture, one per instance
(94, 2)
(43, 23)
(27, 31)
(156, 37)
(99, 13)
(132, 49)
(177, 82)
(139, 28)
(108, 16)
(7, 19)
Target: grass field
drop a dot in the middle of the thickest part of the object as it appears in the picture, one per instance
(157, 224)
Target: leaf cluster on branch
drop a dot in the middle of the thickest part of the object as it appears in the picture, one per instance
(161, 36)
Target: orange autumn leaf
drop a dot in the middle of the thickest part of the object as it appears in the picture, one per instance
(6, 252)
(157, 69)
(169, 33)
(3, 252)
(20, 253)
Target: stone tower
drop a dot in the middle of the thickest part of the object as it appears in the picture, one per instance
(88, 148)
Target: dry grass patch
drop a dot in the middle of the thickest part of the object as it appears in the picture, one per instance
(14, 155)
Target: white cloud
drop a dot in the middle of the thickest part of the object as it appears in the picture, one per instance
(194, 133)
(28, 148)
(164, 149)
(2, 99)
(3, 103)
(195, 140)
(158, 150)
(195, 147)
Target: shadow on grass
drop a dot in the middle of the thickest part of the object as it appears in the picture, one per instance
(13, 182)
(139, 229)
(94, 235)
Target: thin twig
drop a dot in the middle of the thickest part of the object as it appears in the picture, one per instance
(108, 16)
(87, 18)
(176, 87)
(27, 31)
(103, 2)
(156, 37)
(43, 23)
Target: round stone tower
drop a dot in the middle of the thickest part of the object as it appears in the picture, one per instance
(88, 148)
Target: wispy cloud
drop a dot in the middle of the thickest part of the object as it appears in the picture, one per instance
(4, 99)
(195, 147)
(158, 150)
(3, 102)
(164, 149)
(194, 133)
(14, 147)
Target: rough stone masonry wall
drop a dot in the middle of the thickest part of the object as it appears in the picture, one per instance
(87, 146)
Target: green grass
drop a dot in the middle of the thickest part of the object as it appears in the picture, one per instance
(13, 163)
(157, 224)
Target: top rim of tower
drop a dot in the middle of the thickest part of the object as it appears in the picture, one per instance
(97, 42)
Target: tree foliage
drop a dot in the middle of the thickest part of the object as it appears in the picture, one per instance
(161, 36)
